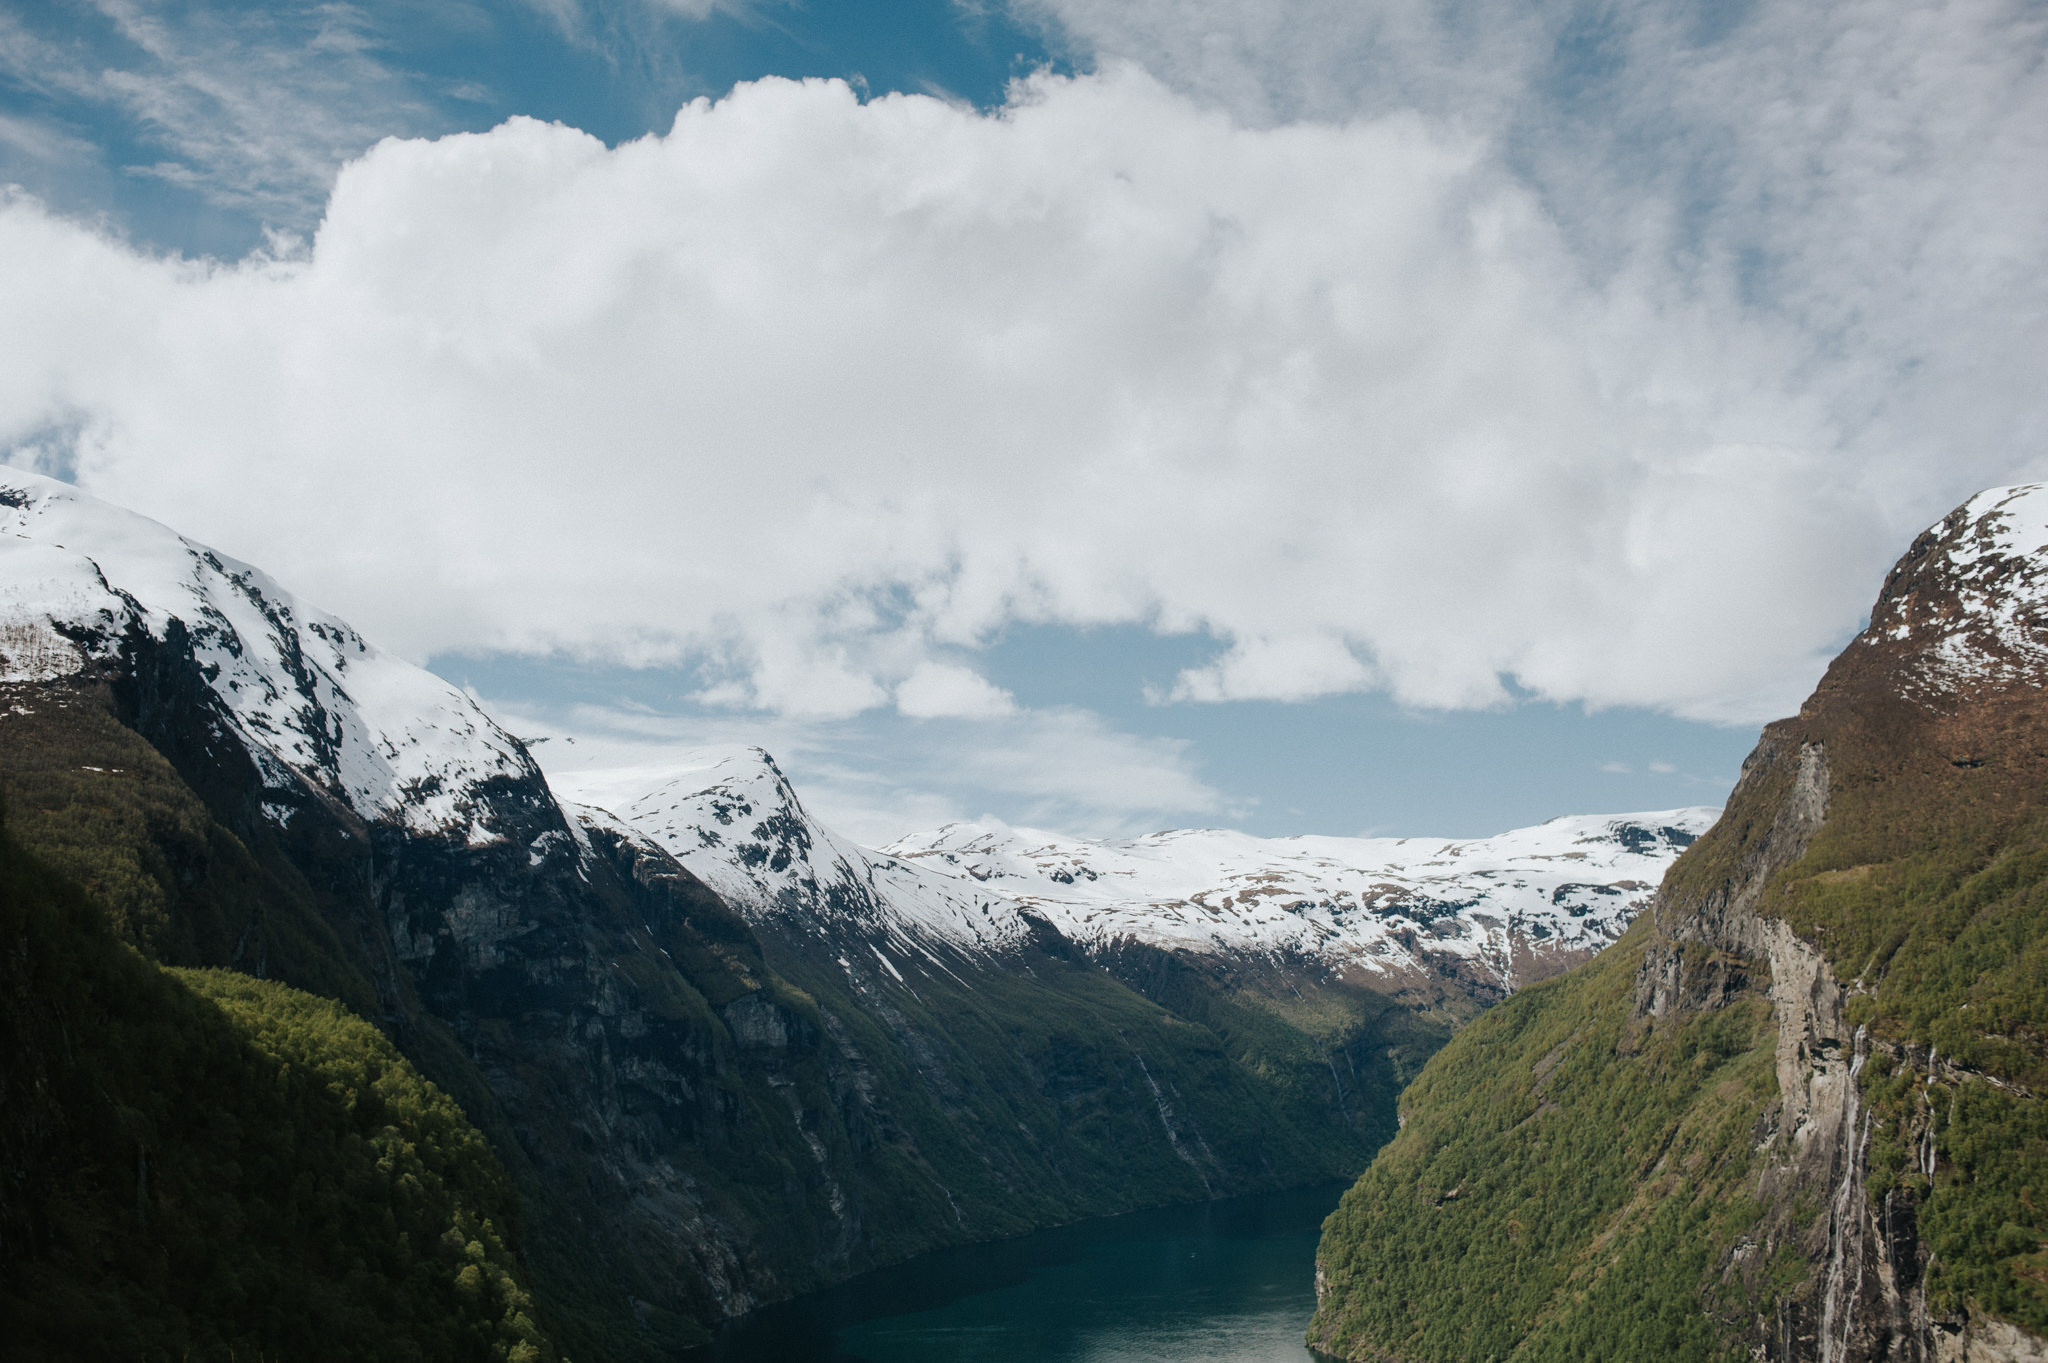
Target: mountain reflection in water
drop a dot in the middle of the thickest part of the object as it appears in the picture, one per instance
(1224, 1282)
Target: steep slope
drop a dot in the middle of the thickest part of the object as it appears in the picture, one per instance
(318, 708)
(188, 739)
(981, 1020)
(1795, 1113)
(203, 1163)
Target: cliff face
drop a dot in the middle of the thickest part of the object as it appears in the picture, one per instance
(1861, 1157)
(1919, 766)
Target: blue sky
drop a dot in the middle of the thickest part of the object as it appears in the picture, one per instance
(1425, 418)
(137, 111)
(1349, 764)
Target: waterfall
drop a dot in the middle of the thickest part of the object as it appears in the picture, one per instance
(1843, 1225)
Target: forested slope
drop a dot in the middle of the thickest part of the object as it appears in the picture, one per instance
(201, 1164)
(1796, 1113)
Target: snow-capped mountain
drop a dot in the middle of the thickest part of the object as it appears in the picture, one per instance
(314, 703)
(306, 694)
(733, 819)
(1504, 907)
(1382, 906)
(1968, 603)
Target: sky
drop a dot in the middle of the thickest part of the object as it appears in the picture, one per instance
(1409, 418)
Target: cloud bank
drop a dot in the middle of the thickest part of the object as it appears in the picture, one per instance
(818, 395)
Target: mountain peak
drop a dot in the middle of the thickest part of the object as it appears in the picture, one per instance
(81, 580)
(1965, 610)
(1504, 909)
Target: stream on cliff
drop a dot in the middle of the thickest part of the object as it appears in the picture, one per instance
(1222, 1282)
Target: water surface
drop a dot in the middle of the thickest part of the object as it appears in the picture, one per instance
(1225, 1282)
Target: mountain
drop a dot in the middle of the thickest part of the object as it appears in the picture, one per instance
(1341, 962)
(722, 1055)
(1385, 913)
(1495, 913)
(321, 712)
(1795, 1112)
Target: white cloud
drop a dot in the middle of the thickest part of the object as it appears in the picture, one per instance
(1863, 173)
(816, 394)
(1069, 769)
(942, 690)
(41, 140)
(1291, 668)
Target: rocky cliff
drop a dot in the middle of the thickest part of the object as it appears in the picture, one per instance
(1829, 1040)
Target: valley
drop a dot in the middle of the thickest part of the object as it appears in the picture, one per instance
(1686, 1083)
(723, 1056)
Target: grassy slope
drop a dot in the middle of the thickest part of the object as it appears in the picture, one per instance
(1929, 887)
(1561, 1175)
(201, 1164)
(93, 799)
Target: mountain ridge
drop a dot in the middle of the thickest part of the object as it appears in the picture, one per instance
(1385, 910)
(1828, 1029)
(724, 1054)
(707, 1098)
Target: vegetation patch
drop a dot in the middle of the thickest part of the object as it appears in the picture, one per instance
(201, 1164)
(1563, 1173)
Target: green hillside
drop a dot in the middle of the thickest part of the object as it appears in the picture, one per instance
(1564, 1174)
(1611, 1166)
(203, 1165)
(799, 1130)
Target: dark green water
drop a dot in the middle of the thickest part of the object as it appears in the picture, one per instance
(1226, 1282)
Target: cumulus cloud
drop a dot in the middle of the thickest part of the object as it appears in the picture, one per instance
(944, 690)
(813, 395)
(1864, 174)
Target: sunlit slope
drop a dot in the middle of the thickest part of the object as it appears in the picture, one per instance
(1796, 1110)
(1559, 1184)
